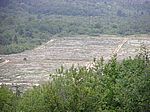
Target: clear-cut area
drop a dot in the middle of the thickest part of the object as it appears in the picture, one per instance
(33, 67)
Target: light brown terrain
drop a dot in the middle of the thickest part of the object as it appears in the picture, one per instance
(42, 61)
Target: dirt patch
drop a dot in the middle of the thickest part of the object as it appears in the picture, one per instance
(34, 66)
(1, 60)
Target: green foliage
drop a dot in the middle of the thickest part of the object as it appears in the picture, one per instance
(33, 22)
(15, 48)
(7, 100)
(107, 87)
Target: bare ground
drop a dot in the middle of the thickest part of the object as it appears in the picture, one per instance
(42, 61)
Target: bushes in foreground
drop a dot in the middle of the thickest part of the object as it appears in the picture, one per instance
(7, 100)
(107, 87)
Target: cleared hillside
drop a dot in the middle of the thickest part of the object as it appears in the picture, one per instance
(45, 59)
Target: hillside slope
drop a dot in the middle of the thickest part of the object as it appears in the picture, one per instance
(28, 23)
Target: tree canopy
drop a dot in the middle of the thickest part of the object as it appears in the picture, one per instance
(28, 23)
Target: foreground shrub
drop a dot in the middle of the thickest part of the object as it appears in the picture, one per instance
(7, 100)
(107, 87)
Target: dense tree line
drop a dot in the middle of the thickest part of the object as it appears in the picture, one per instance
(28, 23)
(111, 86)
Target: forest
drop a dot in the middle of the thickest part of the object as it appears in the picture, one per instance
(111, 86)
(108, 86)
(28, 23)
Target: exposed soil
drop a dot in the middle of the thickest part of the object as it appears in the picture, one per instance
(34, 66)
